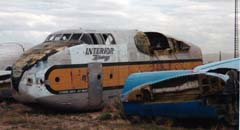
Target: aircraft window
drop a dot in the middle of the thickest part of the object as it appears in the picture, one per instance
(94, 38)
(65, 37)
(57, 79)
(86, 38)
(157, 41)
(76, 36)
(99, 38)
(57, 37)
(109, 39)
(111, 76)
(172, 44)
(50, 38)
(182, 46)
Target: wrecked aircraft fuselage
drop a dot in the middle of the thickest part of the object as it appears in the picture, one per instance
(208, 91)
(84, 69)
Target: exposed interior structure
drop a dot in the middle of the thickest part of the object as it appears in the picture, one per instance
(153, 43)
(184, 88)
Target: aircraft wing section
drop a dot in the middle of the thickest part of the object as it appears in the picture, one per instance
(198, 93)
(138, 79)
(227, 64)
(4, 76)
(172, 82)
(179, 96)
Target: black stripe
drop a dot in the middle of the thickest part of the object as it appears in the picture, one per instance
(113, 87)
(72, 91)
(150, 62)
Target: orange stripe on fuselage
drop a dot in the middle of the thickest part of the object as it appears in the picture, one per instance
(69, 78)
(77, 78)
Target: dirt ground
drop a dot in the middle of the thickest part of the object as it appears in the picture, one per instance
(15, 116)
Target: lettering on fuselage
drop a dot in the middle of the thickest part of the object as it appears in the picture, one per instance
(100, 53)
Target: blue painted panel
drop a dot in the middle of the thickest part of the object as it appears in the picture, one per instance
(191, 109)
(231, 64)
(137, 79)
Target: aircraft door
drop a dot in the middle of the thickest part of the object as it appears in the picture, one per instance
(95, 85)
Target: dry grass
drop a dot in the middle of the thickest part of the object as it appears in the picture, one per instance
(15, 116)
(4, 86)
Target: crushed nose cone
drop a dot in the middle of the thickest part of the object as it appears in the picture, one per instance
(16, 77)
(34, 55)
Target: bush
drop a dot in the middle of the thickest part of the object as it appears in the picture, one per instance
(104, 116)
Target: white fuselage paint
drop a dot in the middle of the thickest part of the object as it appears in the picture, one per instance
(123, 51)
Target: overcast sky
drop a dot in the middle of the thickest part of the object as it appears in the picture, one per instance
(206, 23)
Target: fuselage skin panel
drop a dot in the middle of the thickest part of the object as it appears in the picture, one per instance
(63, 73)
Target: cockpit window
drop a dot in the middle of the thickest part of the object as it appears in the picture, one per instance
(86, 38)
(50, 38)
(65, 37)
(57, 37)
(181, 46)
(108, 39)
(76, 36)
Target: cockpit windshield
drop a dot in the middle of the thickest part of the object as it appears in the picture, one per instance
(86, 38)
(50, 38)
(57, 37)
(65, 37)
(76, 36)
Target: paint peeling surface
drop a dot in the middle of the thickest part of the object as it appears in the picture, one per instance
(186, 94)
(37, 54)
(59, 73)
